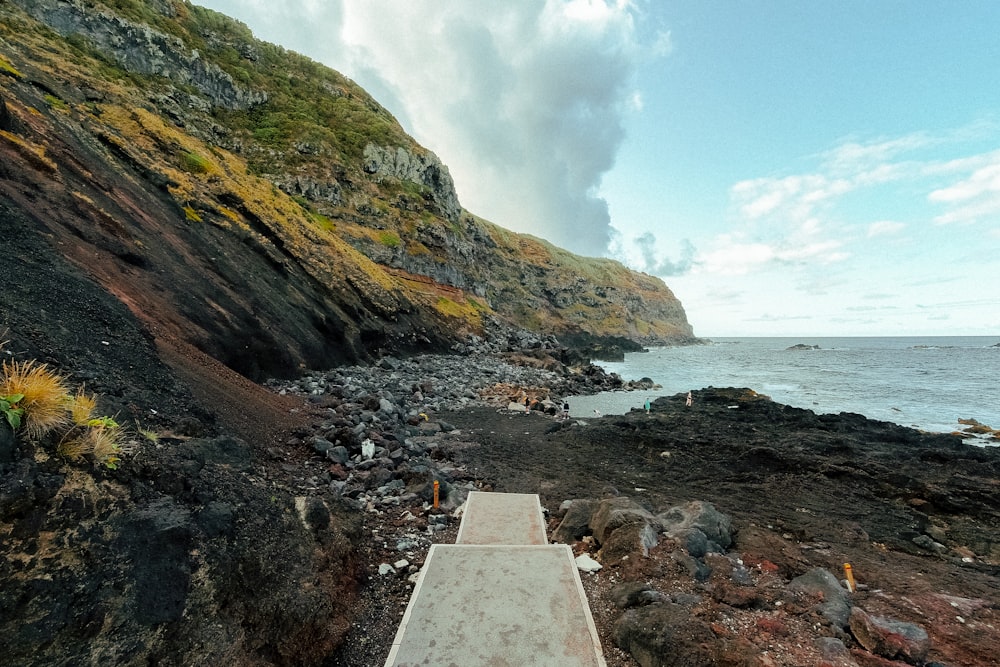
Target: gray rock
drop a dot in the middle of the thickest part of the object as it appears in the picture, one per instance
(338, 454)
(141, 49)
(925, 542)
(834, 653)
(692, 540)
(659, 635)
(636, 594)
(612, 513)
(575, 522)
(320, 444)
(835, 602)
(717, 527)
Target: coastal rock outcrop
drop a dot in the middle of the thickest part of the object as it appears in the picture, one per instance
(425, 170)
(143, 50)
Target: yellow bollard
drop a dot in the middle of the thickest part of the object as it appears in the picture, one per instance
(849, 575)
(437, 485)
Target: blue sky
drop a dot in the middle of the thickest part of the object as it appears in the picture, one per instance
(788, 168)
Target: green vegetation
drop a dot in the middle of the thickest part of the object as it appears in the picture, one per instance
(56, 103)
(191, 215)
(36, 402)
(10, 409)
(196, 164)
(389, 239)
(7, 68)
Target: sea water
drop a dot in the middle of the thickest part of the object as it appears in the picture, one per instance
(924, 382)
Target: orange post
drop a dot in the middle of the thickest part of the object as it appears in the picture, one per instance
(437, 485)
(849, 575)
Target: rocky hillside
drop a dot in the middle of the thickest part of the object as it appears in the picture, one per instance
(259, 208)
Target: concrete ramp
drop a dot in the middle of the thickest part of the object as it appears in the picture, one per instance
(505, 603)
(502, 518)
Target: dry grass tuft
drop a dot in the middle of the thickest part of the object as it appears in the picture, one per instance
(106, 444)
(45, 395)
(81, 407)
(75, 449)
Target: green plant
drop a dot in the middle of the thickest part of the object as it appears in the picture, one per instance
(148, 434)
(389, 239)
(191, 215)
(56, 103)
(102, 422)
(9, 408)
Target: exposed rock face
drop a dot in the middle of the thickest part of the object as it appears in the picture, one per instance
(176, 560)
(425, 170)
(141, 49)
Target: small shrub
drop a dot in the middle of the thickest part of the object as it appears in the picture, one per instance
(56, 103)
(106, 444)
(44, 395)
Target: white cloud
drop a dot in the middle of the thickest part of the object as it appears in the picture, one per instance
(885, 228)
(972, 199)
(525, 105)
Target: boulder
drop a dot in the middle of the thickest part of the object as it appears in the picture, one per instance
(835, 603)
(699, 515)
(833, 653)
(613, 513)
(890, 638)
(628, 540)
(663, 635)
(575, 522)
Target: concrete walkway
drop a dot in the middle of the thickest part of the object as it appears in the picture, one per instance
(502, 518)
(503, 603)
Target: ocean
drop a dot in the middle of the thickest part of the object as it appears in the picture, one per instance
(924, 382)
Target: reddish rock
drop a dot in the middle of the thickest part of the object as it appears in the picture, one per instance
(658, 635)
(890, 638)
(735, 596)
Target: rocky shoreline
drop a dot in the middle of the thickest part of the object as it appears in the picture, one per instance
(704, 577)
(721, 528)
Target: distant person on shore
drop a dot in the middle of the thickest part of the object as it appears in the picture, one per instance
(527, 405)
(647, 406)
(565, 410)
(689, 401)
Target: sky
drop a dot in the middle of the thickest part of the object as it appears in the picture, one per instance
(788, 168)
